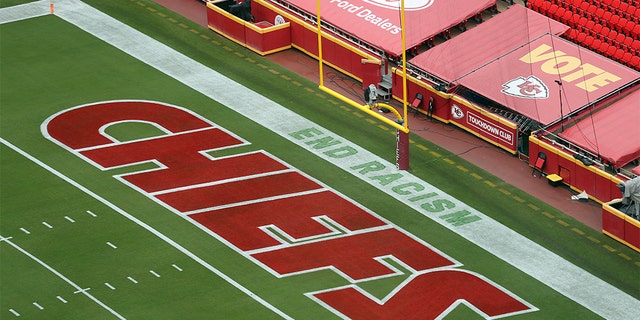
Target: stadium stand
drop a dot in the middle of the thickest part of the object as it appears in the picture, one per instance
(608, 27)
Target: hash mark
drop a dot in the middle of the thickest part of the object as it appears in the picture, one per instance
(25, 230)
(47, 225)
(69, 219)
(15, 313)
(177, 268)
(91, 214)
(38, 306)
(61, 299)
(112, 245)
(154, 273)
(109, 286)
(132, 280)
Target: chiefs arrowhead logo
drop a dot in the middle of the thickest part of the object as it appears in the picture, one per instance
(529, 87)
(456, 112)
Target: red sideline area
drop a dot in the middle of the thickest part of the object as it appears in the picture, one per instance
(478, 152)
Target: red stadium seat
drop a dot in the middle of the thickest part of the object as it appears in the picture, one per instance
(629, 27)
(574, 21)
(577, 3)
(614, 4)
(581, 37)
(622, 22)
(634, 62)
(571, 34)
(627, 41)
(635, 33)
(595, 44)
(588, 40)
(626, 58)
(618, 55)
(635, 45)
(535, 5)
(552, 10)
(567, 17)
(606, 16)
(584, 6)
(583, 22)
(539, 164)
(614, 20)
(559, 13)
(631, 10)
(545, 7)
(620, 40)
(611, 35)
(622, 6)
(597, 28)
(611, 51)
(602, 49)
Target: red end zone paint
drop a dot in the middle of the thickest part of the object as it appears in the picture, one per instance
(293, 215)
(414, 301)
(255, 208)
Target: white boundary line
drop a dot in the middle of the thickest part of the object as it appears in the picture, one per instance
(148, 228)
(533, 259)
(61, 276)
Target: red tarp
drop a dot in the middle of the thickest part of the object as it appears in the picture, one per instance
(489, 40)
(613, 132)
(548, 78)
(378, 21)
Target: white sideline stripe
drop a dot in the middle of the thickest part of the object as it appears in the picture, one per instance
(61, 276)
(515, 249)
(24, 11)
(148, 228)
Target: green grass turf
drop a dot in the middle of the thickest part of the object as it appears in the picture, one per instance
(48, 65)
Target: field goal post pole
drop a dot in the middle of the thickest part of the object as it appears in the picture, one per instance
(401, 125)
(402, 136)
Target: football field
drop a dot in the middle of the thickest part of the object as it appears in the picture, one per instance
(150, 169)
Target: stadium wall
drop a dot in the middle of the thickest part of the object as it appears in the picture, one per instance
(293, 32)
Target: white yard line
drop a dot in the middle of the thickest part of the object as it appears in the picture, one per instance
(526, 255)
(61, 276)
(146, 227)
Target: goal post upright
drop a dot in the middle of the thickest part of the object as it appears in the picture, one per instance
(402, 137)
(401, 125)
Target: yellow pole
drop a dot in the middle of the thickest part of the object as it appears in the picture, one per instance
(367, 109)
(404, 67)
(318, 21)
